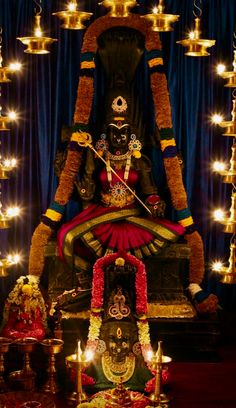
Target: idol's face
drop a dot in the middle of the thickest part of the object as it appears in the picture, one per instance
(118, 136)
(118, 346)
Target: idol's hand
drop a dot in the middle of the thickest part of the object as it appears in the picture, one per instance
(84, 139)
(156, 205)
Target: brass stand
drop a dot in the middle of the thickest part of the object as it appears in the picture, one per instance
(4, 347)
(73, 361)
(26, 376)
(51, 347)
(158, 399)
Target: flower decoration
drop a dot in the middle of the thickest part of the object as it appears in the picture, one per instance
(98, 298)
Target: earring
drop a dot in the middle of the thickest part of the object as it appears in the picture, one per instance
(102, 145)
(135, 146)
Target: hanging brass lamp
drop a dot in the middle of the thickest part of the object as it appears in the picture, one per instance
(5, 120)
(7, 262)
(161, 21)
(229, 272)
(37, 44)
(230, 75)
(72, 18)
(9, 69)
(230, 126)
(196, 46)
(6, 167)
(119, 8)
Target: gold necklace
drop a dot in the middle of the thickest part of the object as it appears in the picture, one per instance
(115, 371)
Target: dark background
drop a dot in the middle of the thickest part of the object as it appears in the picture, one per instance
(44, 93)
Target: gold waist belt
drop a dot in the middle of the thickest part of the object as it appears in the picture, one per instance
(118, 196)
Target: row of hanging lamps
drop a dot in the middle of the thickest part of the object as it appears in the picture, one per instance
(196, 46)
(160, 20)
(72, 18)
(228, 172)
(7, 165)
(37, 43)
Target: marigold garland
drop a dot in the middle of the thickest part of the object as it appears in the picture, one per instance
(196, 265)
(40, 238)
(175, 183)
(161, 101)
(84, 100)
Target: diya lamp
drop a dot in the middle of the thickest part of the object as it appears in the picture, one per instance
(72, 18)
(5, 71)
(5, 120)
(51, 347)
(229, 75)
(157, 361)
(9, 69)
(229, 126)
(37, 43)
(160, 20)
(7, 262)
(6, 167)
(78, 361)
(228, 272)
(5, 221)
(4, 347)
(119, 8)
(196, 46)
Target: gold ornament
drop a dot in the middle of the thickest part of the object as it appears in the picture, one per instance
(115, 371)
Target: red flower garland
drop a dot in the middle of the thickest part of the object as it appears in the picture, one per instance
(140, 281)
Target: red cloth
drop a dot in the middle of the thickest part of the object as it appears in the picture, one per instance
(25, 326)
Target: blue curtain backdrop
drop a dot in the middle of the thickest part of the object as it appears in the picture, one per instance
(44, 93)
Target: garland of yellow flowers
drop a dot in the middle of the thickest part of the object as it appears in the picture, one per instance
(81, 121)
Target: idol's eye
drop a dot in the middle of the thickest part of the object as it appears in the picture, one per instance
(123, 137)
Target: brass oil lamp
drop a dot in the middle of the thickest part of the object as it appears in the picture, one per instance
(119, 8)
(6, 167)
(229, 272)
(7, 70)
(160, 20)
(230, 126)
(37, 44)
(157, 361)
(196, 46)
(7, 262)
(5, 120)
(72, 18)
(78, 361)
(230, 75)
(229, 176)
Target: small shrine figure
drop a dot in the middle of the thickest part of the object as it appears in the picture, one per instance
(25, 311)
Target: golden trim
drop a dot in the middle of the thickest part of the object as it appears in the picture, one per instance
(186, 222)
(53, 215)
(155, 61)
(156, 229)
(87, 226)
(166, 143)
